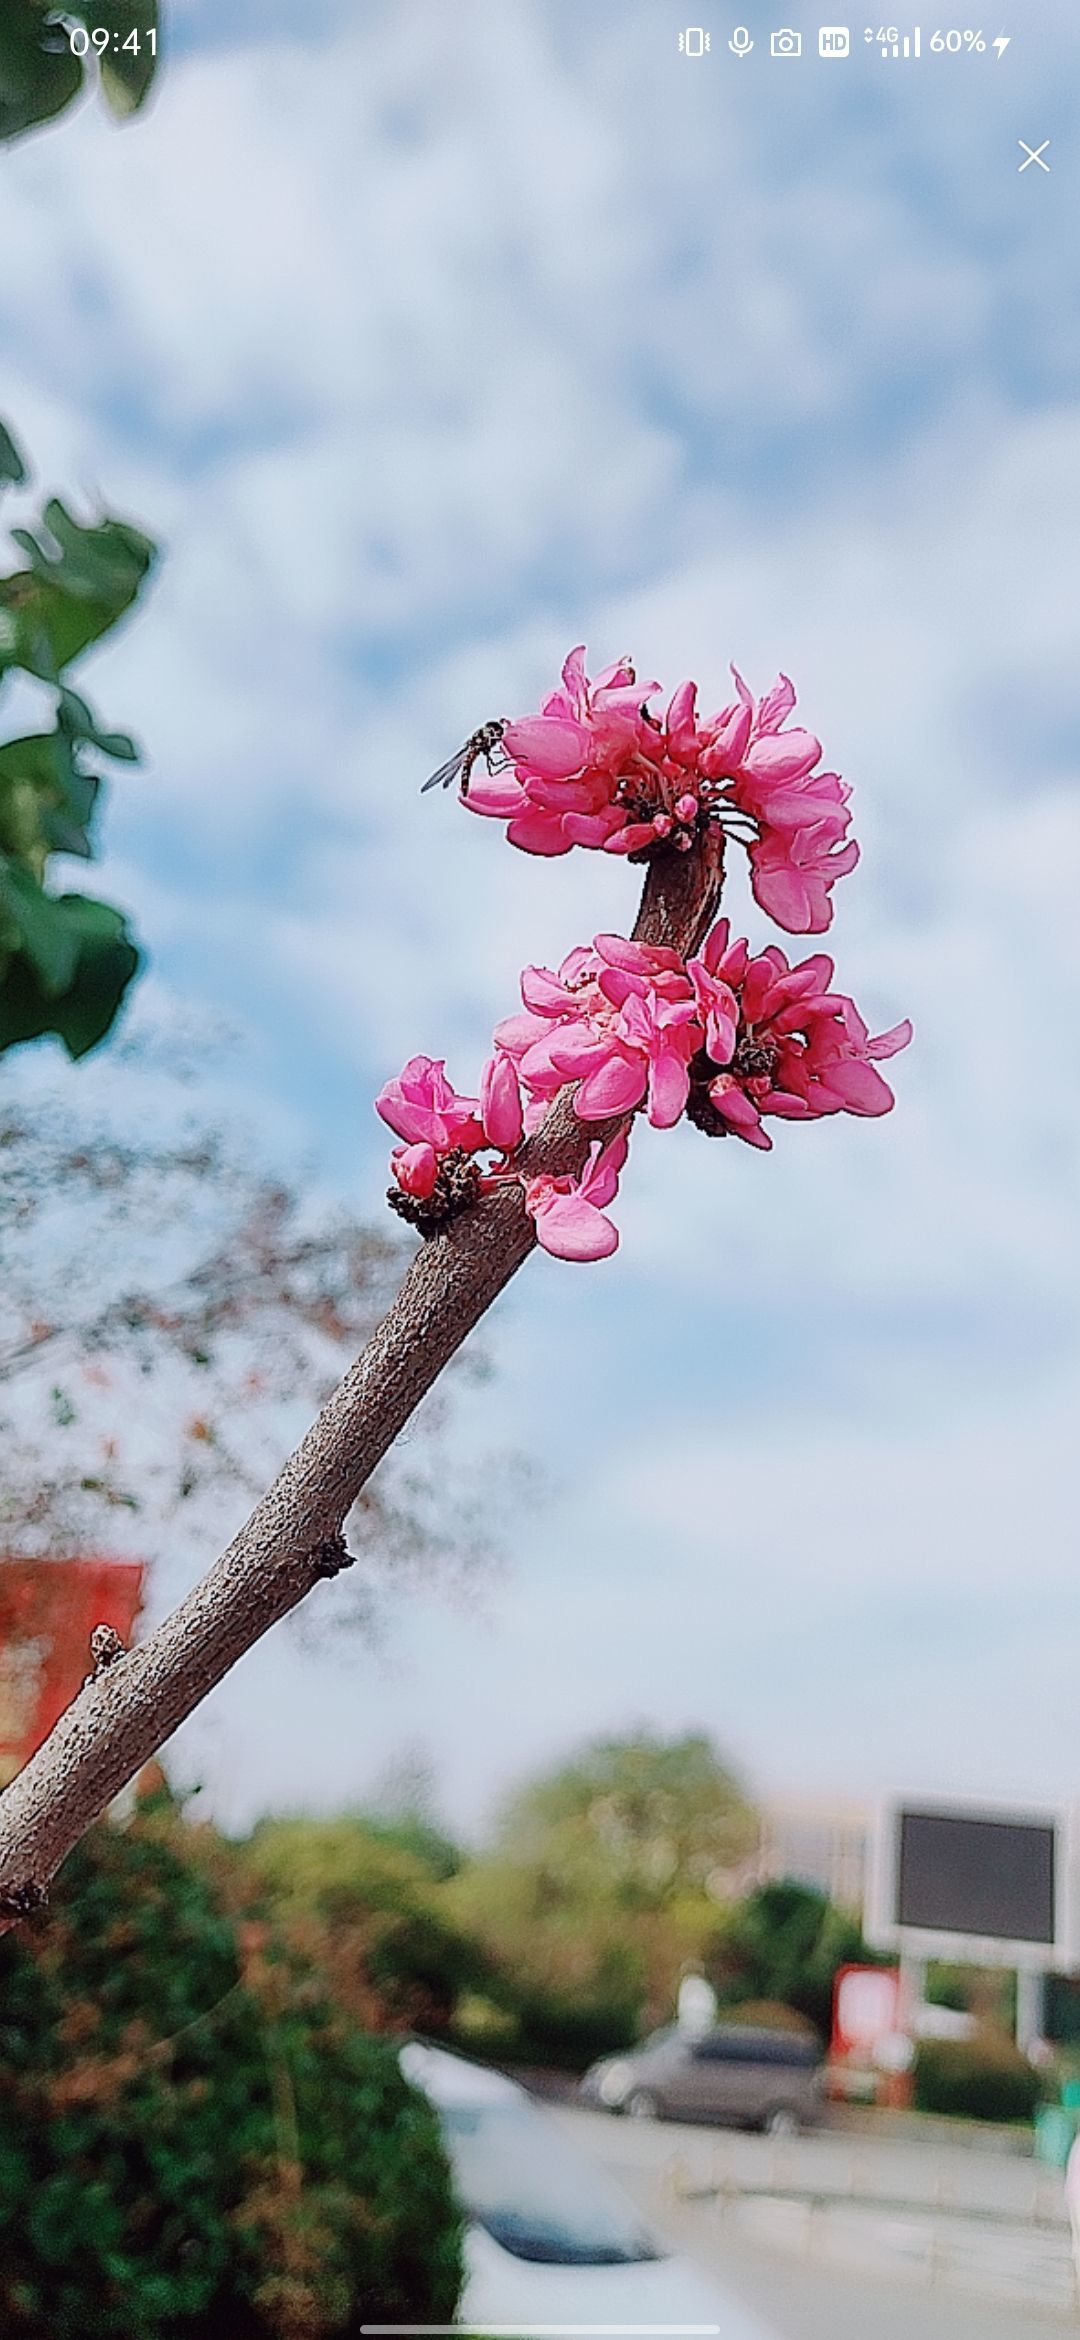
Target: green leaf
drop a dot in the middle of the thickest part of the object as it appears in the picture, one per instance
(46, 802)
(12, 468)
(126, 75)
(39, 74)
(65, 961)
(79, 581)
(47, 934)
(80, 723)
(47, 799)
(104, 962)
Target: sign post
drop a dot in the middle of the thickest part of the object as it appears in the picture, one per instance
(978, 1885)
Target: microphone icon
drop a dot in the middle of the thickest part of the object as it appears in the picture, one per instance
(741, 42)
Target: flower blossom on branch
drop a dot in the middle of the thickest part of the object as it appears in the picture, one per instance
(800, 1050)
(438, 1173)
(725, 1039)
(569, 1212)
(620, 1018)
(599, 766)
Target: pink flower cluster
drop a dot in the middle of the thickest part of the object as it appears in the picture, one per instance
(598, 766)
(437, 1173)
(725, 1038)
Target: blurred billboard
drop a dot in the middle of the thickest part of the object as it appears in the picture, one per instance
(977, 1883)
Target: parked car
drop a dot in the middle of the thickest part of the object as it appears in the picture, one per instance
(548, 2235)
(736, 2073)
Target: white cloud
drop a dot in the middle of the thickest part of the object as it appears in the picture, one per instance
(438, 342)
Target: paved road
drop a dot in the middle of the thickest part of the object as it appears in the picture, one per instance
(908, 2242)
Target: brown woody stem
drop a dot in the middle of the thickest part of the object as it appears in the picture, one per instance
(127, 1710)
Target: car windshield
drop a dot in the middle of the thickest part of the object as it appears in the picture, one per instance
(520, 2181)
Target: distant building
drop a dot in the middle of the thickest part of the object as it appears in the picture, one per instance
(814, 1841)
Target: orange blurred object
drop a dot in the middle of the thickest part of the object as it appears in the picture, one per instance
(48, 1610)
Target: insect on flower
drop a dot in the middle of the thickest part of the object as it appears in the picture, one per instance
(484, 742)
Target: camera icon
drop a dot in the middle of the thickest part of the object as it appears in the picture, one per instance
(786, 43)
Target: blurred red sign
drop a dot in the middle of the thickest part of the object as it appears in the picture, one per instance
(48, 1610)
(866, 2010)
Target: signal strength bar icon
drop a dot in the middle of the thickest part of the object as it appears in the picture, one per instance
(905, 45)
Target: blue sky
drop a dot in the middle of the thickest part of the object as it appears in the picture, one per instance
(432, 341)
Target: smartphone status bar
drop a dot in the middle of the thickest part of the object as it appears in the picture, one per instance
(834, 42)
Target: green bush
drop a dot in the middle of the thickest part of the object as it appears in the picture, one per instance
(784, 1942)
(368, 1898)
(195, 2144)
(982, 2079)
(566, 2034)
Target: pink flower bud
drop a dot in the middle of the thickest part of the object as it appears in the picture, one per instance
(416, 1169)
(500, 1104)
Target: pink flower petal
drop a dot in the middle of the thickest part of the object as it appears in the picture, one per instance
(786, 755)
(861, 1088)
(539, 832)
(570, 1228)
(776, 705)
(547, 744)
(500, 1104)
(889, 1043)
(497, 794)
(669, 1088)
(615, 1087)
(783, 894)
(600, 1177)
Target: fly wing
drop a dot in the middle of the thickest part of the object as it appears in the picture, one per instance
(447, 772)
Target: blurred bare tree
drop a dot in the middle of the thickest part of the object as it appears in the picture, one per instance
(170, 1314)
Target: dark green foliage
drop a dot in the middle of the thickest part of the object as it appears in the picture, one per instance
(40, 73)
(952, 1986)
(91, 942)
(786, 1942)
(377, 1923)
(12, 467)
(546, 2028)
(422, 1839)
(76, 583)
(601, 1886)
(1062, 2017)
(194, 2143)
(982, 2079)
(373, 1896)
(641, 1818)
(65, 960)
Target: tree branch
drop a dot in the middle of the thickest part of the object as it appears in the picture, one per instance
(126, 1711)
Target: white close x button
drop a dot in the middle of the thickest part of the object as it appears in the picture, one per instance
(1033, 154)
